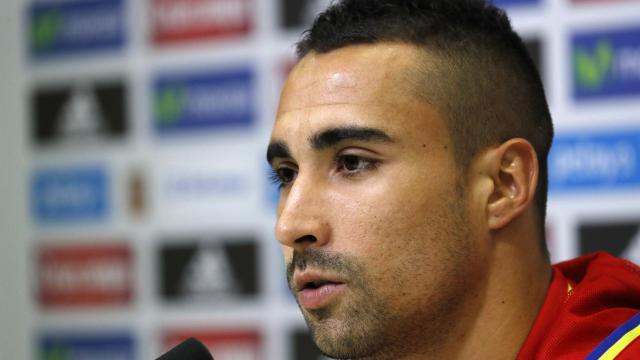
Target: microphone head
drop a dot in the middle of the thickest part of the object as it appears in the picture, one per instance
(190, 349)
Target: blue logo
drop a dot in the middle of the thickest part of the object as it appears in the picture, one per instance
(71, 194)
(597, 161)
(86, 347)
(204, 100)
(509, 3)
(606, 64)
(74, 27)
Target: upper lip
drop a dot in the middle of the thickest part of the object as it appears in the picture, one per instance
(302, 279)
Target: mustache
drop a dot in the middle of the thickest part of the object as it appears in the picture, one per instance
(321, 260)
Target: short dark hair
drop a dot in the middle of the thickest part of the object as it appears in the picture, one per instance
(486, 85)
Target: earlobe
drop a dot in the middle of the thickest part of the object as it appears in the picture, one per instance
(515, 176)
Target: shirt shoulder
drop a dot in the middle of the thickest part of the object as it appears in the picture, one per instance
(588, 299)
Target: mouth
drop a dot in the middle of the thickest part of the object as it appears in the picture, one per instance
(315, 291)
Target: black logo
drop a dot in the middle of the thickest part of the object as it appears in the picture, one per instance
(300, 13)
(621, 239)
(82, 111)
(193, 270)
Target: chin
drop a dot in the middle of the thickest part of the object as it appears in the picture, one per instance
(342, 339)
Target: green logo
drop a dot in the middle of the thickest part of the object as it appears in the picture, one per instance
(45, 29)
(169, 104)
(57, 352)
(593, 69)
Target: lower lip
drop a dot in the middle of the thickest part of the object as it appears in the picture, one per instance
(316, 298)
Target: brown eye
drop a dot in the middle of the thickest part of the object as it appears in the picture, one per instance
(286, 175)
(353, 164)
(283, 176)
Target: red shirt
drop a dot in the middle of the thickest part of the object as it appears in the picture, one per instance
(589, 301)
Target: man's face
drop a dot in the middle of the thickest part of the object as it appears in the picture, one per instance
(372, 214)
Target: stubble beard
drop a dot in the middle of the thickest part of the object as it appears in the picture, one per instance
(362, 326)
(349, 328)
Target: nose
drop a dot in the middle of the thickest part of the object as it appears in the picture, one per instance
(302, 220)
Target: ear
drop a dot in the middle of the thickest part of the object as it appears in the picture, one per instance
(513, 169)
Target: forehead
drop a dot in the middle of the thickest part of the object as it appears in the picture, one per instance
(361, 85)
(352, 74)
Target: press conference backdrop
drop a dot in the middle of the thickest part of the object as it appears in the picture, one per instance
(150, 213)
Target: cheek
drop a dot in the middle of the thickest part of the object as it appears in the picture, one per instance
(400, 235)
(353, 222)
(371, 218)
(376, 227)
(397, 215)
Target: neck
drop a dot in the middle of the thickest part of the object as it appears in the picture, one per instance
(496, 320)
(518, 276)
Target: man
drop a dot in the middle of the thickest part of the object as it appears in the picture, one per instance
(410, 147)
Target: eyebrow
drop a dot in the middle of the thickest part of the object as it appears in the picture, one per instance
(277, 149)
(330, 137)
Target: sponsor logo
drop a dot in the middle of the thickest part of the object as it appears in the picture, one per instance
(85, 275)
(303, 347)
(201, 195)
(621, 239)
(206, 100)
(83, 111)
(606, 64)
(187, 20)
(198, 271)
(70, 194)
(191, 187)
(76, 27)
(84, 346)
(509, 3)
(595, 161)
(237, 344)
(187, 191)
(300, 13)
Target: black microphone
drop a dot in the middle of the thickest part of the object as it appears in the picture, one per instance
(190, 349)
